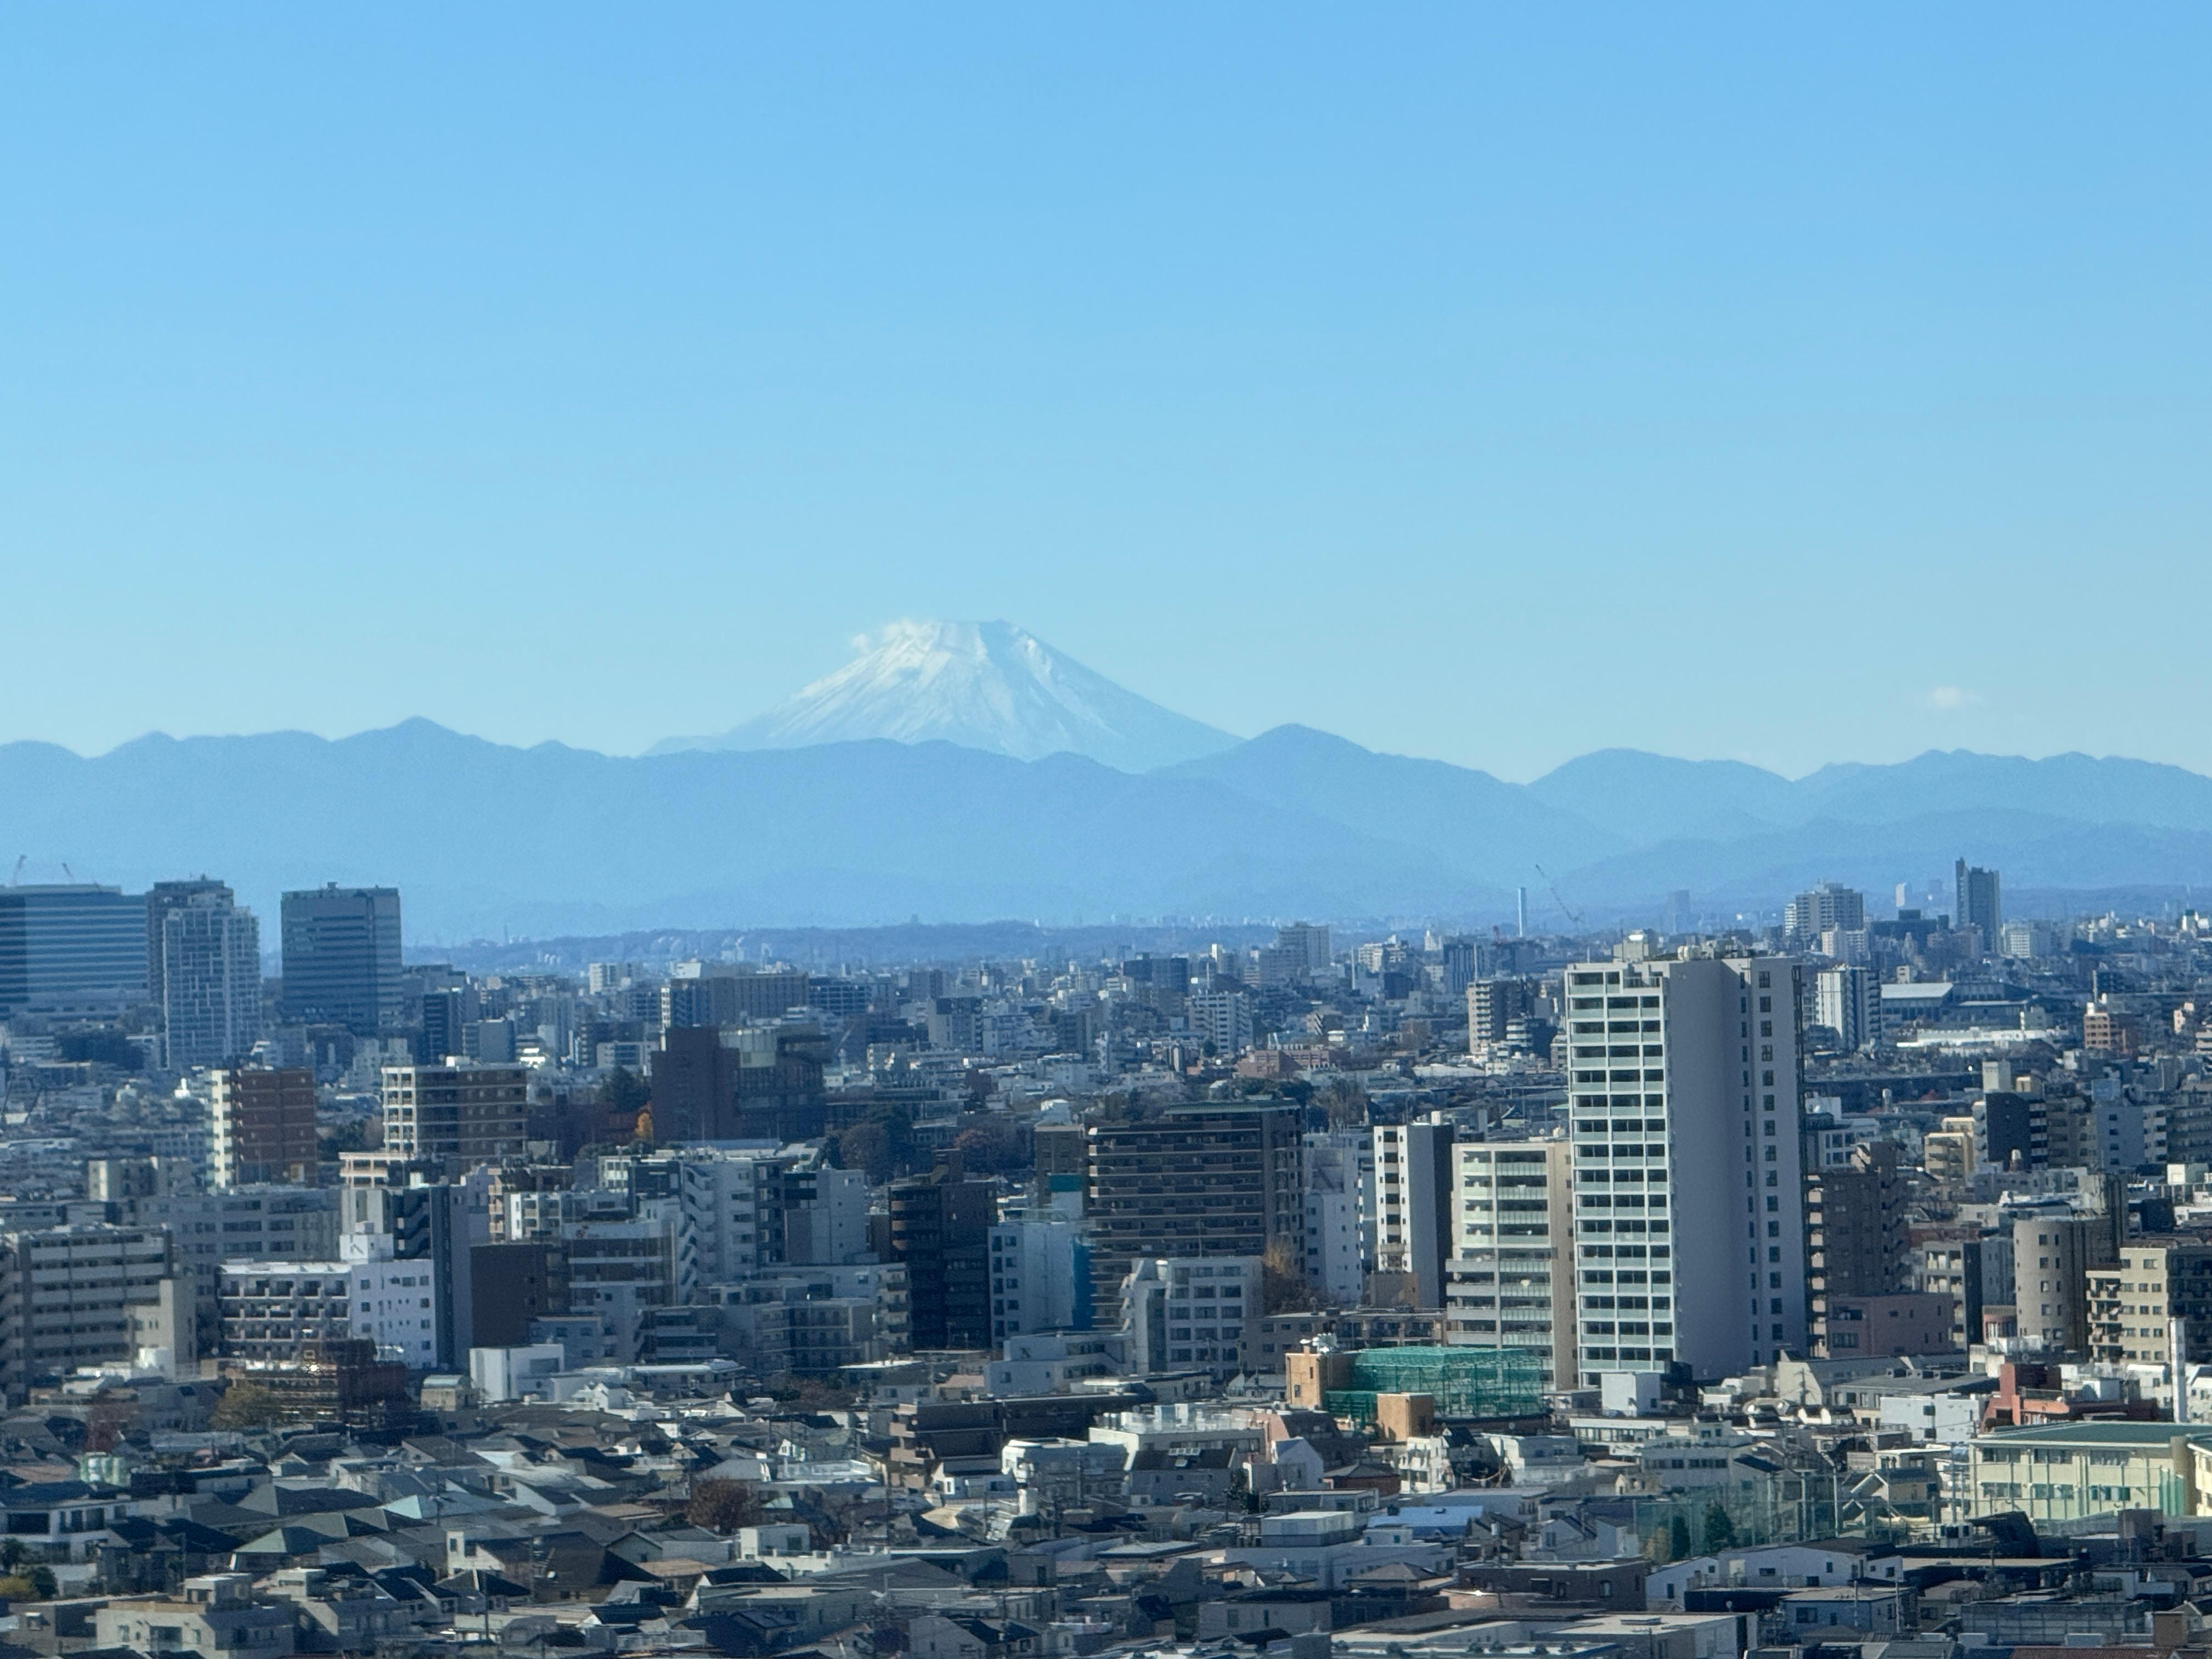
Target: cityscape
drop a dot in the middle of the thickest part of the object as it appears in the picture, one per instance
(1051, 833)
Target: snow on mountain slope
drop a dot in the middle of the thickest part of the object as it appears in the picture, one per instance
(983, 685)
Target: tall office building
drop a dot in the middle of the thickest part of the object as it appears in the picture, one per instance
(1195, 1180)
(1684, 1075)
(1412, 1208)
(210, 978)
(71, 949)
(342, 958)
(1979, 904)
(1510, 1281)
(1829, 907)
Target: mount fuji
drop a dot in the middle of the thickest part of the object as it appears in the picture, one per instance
(985, 685)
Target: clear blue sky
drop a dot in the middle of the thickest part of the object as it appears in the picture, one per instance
(1494, 383)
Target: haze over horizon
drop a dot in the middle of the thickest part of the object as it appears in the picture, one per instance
(1475, 385)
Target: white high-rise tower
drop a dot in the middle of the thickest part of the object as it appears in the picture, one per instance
(1689, 1212)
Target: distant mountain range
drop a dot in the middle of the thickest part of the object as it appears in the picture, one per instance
(864, 828)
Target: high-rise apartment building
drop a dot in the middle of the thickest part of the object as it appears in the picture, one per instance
(1980, 902)
(1689, 1218)
(463, 1114)
(940, 1228)
(2052, 1255)
(1511, 1280)
(740, 1083)
(1223, 1021)
(1194, 1180)
(87, 1294)
(2134, 1302)
(210, 951)
(1193, 1312)
(73, 949)
(262, 1123)
(1412, 1208)
(1829, 907)
(342, 958)
(1340, 1167)
(1848, 1001)
(1856, 1239)
(1492, 1006)
(1040, 1277)
(160, 898)
(709, 993)
(1309, 942)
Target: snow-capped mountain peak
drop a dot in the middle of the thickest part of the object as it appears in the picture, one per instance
(985, 685)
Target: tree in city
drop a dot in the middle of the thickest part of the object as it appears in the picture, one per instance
(724, 1505)
(1720, 1531)
(1678, 1539)
(624, 1092)
(244, 1405)
(1284, 1287)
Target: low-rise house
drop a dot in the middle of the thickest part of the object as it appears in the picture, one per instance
(216, 1618)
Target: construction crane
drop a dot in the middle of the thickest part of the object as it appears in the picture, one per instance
(1571, 915)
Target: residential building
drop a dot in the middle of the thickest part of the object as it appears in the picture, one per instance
(342, 958)
(1184, 1313)
(1511, 1280)
(2134, 1303)
(160, 898)
(1340, 1168)
(1830, 906)
(2052, 1257)
(87, 1294)
(740, 1083)
(1848, 1001)
(622, 1272)
(512, 1286)
(262, 1125)
(1492, 1006)
(940, 1231)
(1308, 942)
(1412, 1209)
(1685, 1073)
(1040, 1278)
(435, 1225)
(1975, 1273)
(1194, 1181)
(211, 997)
(279, 1310)
(706, 995)
(1222, 1020)
(461, 1112)
(1855, 1225)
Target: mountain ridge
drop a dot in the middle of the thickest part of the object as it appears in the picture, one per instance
(481, 836)
(985, 685)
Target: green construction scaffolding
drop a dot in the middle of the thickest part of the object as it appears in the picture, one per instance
(1463, 1382)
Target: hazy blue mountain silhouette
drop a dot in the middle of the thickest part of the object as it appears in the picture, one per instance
(482, 836)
